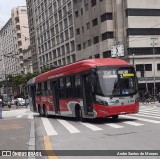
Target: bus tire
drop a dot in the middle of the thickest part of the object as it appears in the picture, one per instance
(114, 117)
(45, 112)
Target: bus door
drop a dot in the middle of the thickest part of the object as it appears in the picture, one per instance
(32, 94)
(56, 96)
(87, 95)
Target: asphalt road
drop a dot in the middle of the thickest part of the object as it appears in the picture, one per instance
(132, 132)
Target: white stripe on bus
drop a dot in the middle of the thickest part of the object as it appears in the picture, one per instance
(68, 126)
(91, 126)
(133, 123)
(114, 125)
(48, 127)
(142, 119)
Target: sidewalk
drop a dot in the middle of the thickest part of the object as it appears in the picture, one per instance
(17, 133)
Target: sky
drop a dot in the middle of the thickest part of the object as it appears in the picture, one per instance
(6, 7)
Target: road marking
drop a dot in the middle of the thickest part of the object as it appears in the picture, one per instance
(114, 125)
(30, 116)
(91, 126)
(151, 109)
(68, 126)
(156, 117)
(133, 123)
(48, 127)
(147, 113)
(48, 147)
(19, 116)
(142, 119)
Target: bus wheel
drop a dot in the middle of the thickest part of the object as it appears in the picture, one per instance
(45, 112)
(115, 117)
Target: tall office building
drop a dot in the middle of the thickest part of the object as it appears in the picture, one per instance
(52, 22)
(123, 25)
(14, 39)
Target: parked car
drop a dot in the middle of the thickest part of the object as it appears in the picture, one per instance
(13, 102)
(21, 102)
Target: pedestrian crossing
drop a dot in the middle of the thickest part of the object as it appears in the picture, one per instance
(146, 115)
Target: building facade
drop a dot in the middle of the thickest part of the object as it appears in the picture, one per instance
(101, 25)
(20, 35)
(54, 31)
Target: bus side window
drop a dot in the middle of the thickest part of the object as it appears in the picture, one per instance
(77, 86)
(68, 87)
(38, 89)
(49, 88)
(45, 89)
(62, 90)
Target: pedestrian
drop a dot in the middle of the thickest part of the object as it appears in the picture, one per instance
(16, 102)
(9, 103)
(158, 96)
(1, 108)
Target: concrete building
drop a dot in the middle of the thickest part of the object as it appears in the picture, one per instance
(53, 31)
(135, 25)
(32, 33)
(20, 35)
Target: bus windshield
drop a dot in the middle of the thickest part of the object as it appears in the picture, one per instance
(116, 82)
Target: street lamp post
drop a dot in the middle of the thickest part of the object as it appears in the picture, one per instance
(133, 59)
(153, 44)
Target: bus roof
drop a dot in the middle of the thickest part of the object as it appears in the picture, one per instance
(79, 66)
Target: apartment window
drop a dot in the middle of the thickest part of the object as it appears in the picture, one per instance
(81, 11)
(88, 25)
(62, 37)
(72, 46)
(76, 13)
(143, 12)
(143, 31)
(107, 54)
(52, 31)
(70, 19)
(84, 45)
(95, 22)
(61, 26)
(93, 2)
(64, 11)
(158, 67)
(65, 23)
(67, 48)
(148, 67)
(66, 35)
(78, 31)
(139, 67)
(54, 54)
(71, 32)
(143, 51)
(107, 35)
(59, 52)
(63, 50)
(96, 39)
(89, 43)
(79, 47)
(106, 16)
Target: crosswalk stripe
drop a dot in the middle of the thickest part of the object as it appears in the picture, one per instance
(91, 126)
(68, 126)
(19, 116)
(151, 109)
(142, 119)
(48, 127)
(133, 123)
(156, 117)
(114, 125)
(147, 113)
(30, 116)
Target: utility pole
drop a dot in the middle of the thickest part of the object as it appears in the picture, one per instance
(154, 44)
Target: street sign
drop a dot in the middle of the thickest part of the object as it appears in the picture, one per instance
(117, 50)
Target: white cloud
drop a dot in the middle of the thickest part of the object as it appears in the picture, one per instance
(6, 7)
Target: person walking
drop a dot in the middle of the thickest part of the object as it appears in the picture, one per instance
(1, 108)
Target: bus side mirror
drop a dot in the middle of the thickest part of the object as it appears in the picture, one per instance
(93, 80)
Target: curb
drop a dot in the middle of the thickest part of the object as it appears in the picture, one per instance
(31, 144)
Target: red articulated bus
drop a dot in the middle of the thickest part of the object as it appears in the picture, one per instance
(93, 88)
